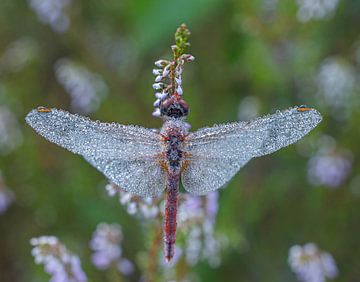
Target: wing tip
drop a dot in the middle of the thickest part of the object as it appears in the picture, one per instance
(317, 117)
(42, 109)
(35, 112)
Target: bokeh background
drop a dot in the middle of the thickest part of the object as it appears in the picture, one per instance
(252, 58)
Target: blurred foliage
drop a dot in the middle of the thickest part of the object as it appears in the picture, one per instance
(243, 49)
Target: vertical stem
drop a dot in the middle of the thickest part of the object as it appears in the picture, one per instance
(153, 255)
(172, 76)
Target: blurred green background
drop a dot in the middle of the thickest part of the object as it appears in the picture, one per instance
(252, 58)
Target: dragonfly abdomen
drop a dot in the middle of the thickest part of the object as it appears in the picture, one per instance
(172, 190)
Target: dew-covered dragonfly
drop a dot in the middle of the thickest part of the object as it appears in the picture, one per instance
(145, 162)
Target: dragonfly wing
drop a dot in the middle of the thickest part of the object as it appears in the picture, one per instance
(218, 152)
(141, 177)
(125, 154)
(209, 174)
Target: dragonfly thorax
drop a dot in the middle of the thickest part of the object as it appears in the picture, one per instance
(173, 133)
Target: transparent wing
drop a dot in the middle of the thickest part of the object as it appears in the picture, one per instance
(142, 177)
(217, 153)
(125, 154)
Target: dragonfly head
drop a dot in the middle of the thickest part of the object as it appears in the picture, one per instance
(174, 107)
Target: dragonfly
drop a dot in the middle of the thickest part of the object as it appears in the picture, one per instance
(145, 162)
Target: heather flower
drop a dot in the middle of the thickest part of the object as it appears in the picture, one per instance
(144, 207)
(197, 218)
(86, 89)
(158, 86)
(311, 264)
(125, 266)
(175, 259)
(193, 245)
(315, 9)
(161, 63)
(157, 71)
(10, 134)
(59, 262)
(18, 54)
(105, 243)
(212, 206)
(179, 90)
(190, 210)
(52, 12)
(168, 73)
(329, 167)
(336, 81)
(249, 108)
(157, 103)
(6, 196)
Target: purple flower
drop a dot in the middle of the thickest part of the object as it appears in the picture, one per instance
(193, 245)
(179, 90)
(337, 81)
(188, 57)
(311, 264)
(175, 259)
(212, 205)
(157, 71)
(18, 54)
(105, 243)
(59, 262)
(86, 89)
(158, 78)
(6, 196)
(168, 77)
(10, 134)
(329, 167)
(52, 12)
(249, 108)
(144, 207)
(190, 210)
(197, 218)
(125, 266)
(315, 9)
(156, 112)
(161, 63)
(158, 85)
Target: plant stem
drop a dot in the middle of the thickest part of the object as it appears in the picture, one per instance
(153, 254)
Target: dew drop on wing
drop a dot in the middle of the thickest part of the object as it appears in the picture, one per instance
(219, 152)
(125, 154)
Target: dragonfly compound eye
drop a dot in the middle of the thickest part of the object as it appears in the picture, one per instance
(175, 108)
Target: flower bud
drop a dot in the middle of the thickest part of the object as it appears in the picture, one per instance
(158, 78)
(158, 95)
(179, 90)
(161, 95)
(156, 113)
(158, 86)
(175, 48)
(157, 103)
(166, 71)
(161, 63)
(164, 95)
(178, 70)
(157, 71)
(178, 80)
(188, 57)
